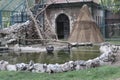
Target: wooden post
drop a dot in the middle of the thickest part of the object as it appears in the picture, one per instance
(34, 20)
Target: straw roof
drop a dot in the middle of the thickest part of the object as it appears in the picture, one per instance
(85, 29)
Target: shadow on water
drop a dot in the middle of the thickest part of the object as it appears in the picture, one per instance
(61, 56)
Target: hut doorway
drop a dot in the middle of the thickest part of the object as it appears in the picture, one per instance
(62, 26)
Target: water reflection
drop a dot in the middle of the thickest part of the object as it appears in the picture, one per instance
(81, 53)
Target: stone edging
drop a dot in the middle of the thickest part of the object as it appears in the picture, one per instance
(108, 56)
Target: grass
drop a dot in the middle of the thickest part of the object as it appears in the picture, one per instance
(101, 73)
(113, 41)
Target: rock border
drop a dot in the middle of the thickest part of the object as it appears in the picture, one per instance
(108, 56)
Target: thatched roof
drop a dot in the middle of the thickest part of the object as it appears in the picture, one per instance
(86, 29)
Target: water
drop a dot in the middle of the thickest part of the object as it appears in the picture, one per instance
(81, 53)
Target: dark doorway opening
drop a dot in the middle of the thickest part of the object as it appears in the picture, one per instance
(62, 26)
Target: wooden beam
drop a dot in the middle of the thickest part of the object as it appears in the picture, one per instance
(34, 20)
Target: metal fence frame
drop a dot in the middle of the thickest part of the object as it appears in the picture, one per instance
(8, 18)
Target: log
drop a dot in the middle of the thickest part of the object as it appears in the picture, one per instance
(41, 11)
(34, 20)
(54, 40)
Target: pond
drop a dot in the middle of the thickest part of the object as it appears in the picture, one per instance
(61, 56)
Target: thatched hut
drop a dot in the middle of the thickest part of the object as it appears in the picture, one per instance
(86, 29)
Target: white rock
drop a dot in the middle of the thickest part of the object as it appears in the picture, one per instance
(54, 68)
(39, 67)
(79, 67)
(88, 63)
(10, 67)
(105, 48)
(16, 48)
(3, 65)
(102, 63)
(67, 66)
(21, 66)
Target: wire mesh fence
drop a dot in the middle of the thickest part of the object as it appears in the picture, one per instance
(10, 18)
(112, 33)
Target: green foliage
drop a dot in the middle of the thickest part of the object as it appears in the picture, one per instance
(102, 73)
(113, 41)
(106, 3)
(116, 8)
(113, 5)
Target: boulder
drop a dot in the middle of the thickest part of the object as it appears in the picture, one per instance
(39, 67)
(80, 65)
(68, 66)
(103, 63)
(3, 64)
(11, 67)
(21, 66)
(105, 47)
(54, 68)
